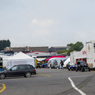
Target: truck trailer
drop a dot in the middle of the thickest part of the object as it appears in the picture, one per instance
(87, 54)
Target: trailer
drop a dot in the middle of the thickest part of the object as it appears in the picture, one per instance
(87, 54)
(91, 53)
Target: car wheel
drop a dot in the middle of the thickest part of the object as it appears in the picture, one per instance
(2, 76)
(28, 74)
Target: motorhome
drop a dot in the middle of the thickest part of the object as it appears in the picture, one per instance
(66, 62)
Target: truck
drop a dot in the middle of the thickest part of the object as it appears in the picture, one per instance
(87, 54)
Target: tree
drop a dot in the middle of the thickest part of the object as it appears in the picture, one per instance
(62, 51)
(4, 44)
(75, 47)
(70, 45)
(78, 46)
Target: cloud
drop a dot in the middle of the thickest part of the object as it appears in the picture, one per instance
(42, 23)
(41, 28)
(80, 36)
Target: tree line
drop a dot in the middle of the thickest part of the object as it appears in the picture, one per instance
(4, 44)
(73, 47)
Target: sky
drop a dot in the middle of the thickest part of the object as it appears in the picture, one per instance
(47, 22)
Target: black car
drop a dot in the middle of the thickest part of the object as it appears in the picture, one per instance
(18, 70)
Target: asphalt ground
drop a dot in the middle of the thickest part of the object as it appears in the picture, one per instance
(50, 82)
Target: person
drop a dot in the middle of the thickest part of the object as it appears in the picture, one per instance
(38, 65)
(61, 63)
(1, 69)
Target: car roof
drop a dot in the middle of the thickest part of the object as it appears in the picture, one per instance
(22, 64)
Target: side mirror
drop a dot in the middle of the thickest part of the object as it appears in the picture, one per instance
(10, 69)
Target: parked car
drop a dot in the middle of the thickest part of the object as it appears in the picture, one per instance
(18, 70)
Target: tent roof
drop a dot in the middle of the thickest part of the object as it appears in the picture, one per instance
(40, 59)
(20, 55)
(59, 56)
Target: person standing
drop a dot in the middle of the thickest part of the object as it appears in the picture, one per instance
(61, 63)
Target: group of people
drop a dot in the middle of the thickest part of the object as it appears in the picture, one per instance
(49, 65)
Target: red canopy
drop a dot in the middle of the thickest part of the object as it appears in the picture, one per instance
(54, 57)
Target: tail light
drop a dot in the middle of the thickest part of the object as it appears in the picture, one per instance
(34, 69)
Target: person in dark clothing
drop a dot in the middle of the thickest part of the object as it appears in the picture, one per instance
(61, 63)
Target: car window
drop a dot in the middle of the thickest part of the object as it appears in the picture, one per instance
(14, 68)
(29, 67)
(22, 67)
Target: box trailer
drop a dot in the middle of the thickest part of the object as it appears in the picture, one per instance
(87, 54)
(90, 46)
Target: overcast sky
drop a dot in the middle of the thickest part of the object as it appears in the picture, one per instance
(47, 22)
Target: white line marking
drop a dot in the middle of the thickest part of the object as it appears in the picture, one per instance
(73, 85)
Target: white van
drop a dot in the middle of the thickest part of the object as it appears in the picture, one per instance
(55, 62)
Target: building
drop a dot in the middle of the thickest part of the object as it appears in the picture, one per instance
(18, 49)
(55, 49)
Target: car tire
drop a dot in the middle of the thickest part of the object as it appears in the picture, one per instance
(28, 75)
(2, 76)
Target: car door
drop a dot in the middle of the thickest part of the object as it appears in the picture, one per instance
(22, 69)
(14, 71)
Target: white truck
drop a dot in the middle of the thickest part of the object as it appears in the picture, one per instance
(87, 54)
(90, 46)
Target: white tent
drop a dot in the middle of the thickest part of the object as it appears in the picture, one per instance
(40, 59)
(66, 62)
(19, 58)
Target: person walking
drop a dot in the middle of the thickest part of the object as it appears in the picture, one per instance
(61, 63)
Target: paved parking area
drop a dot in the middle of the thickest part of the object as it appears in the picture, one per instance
(2, 87)
(50, 82)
